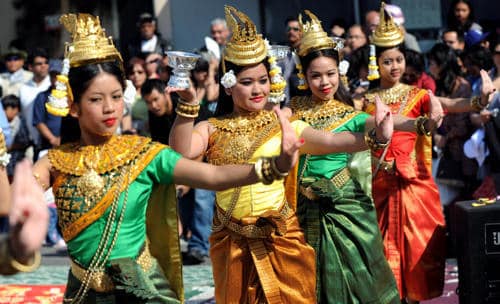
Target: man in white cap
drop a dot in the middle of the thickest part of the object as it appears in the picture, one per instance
(398, 17)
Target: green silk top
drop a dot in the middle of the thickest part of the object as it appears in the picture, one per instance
(132, 232)
(324, 166)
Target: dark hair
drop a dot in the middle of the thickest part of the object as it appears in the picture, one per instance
(415, 60)
(79, 81)
(378, 51)
(479, 56)
(446, 59)
(225, 103)
(81, 77)
(453, 23)
(460, 35)
(338, 21)
(11, 101)
(291, 18)
(305, 61)
(129, 68)
(152, 84)
(359, 58)
(37, 52)
(201, 66)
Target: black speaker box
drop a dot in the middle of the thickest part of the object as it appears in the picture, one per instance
(477, 243)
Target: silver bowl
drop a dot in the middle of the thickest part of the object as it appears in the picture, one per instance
(182, 63)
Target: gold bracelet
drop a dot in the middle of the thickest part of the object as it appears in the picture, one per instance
(372, 142)
(27, 268)
(8, 265)
(476, 105)
(276, 172)
(185, 109)
(182, 114)
(258, 170)
(420, 126)
(267, 171)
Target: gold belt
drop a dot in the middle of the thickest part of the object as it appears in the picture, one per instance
(387, 166)
(100, 281)
(338, 180)
(259, 226)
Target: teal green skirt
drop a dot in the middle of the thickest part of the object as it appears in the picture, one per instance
(341, 225)
(133, 285)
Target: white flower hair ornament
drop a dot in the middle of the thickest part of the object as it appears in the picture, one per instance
(228, 80)
(343, 67)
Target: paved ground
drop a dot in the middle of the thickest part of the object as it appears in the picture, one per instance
(198, 282)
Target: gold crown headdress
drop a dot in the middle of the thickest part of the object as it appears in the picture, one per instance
(387, 33)
(314, 37)
(90, 45)
(246, 47)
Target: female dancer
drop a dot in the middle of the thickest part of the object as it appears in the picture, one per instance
(405, 196)
(257, 249)
(337, 216)
(114, 194)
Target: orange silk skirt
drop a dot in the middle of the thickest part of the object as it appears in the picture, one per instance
(284, 264)
(413, 230)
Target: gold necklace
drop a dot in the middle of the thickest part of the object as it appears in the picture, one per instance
(235, 135)
(89, 163)
(250, 122)
(389, 96)
(319, 113)
(75, 159)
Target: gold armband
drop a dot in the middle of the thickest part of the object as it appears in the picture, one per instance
(276, 172)
(420, 126)
(476, 104)
(264, 171)
(185, 109)
(372, 142)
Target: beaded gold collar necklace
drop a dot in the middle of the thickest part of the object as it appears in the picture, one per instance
(89, 162)
(393, 95)
(313, 112)
(250, 122)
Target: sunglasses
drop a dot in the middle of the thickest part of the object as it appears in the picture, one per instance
(153, 61)
(40, 63)
(12, 58)
(292, 28)
(496, 53)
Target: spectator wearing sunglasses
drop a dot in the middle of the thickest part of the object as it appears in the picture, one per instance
(293, 37)
(15, 76)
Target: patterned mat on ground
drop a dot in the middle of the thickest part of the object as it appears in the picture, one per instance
(32, 288)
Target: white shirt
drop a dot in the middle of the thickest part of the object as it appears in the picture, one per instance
(27, 95)
(148, 46)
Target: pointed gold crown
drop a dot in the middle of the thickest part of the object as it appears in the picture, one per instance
(313, 36)
(387, 33)
(246, 47)
(90, 44)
